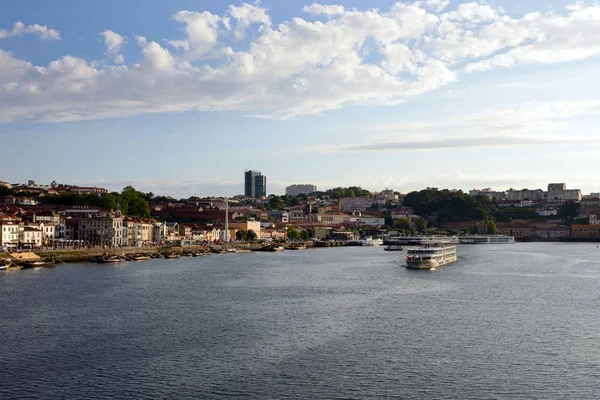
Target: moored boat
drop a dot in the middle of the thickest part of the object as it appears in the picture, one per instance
(430, 256)
(487, 239)
(110, 259)
(393, 247)
(37, 264)
(270, 248)
(172, 255)
(369, 241)
(297, 247)
(140, 257)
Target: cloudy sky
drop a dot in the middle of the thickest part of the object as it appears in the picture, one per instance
(181, 97)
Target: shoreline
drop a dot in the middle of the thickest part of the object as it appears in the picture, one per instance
(89, 255)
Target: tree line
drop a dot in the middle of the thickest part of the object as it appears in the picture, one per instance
(130, 201)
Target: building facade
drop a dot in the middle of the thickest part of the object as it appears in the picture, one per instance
(101, 231)
(255, 184)
(296, 190)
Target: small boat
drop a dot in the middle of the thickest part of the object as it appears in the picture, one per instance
(369, 241)
(393, 247)
(38, 264)
(172, 255)
(275, 248)
(110, 260)
(140, 257)
(297, 247)
(4, 265)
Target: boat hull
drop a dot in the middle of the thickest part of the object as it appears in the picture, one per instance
(430, 264)
(110, 261)
(393, 248)
(38, 264)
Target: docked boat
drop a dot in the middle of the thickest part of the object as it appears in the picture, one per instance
(297, 247)
(140, 257)
(430, 256)
(111, 259)
(172, 255)
(369, 241)
(426, 239)
(487, 239)
(393, 247)
(37, 264)
(271, 248)
(4, 265)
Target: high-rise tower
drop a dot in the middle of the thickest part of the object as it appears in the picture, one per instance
(255, 184)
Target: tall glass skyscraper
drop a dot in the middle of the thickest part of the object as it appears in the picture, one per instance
(255, 184)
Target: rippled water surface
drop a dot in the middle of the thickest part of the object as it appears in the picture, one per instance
(505, 322)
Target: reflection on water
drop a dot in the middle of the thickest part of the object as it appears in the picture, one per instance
(505, 321)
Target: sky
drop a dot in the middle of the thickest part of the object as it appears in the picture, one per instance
(181, 97)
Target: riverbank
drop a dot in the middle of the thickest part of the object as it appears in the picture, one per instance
(88, 255)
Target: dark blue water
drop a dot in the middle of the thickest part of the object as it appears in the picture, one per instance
(505, 322)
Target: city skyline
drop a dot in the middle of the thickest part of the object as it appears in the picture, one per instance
(177, 98)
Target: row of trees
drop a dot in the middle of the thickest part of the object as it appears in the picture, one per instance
(352, 191)
(129, 201)
(445, 205)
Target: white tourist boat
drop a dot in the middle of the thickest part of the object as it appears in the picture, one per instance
(369, 241)
(487, 239)
(430, 256)
(429, 239)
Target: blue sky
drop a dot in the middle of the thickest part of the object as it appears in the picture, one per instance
(181, 97)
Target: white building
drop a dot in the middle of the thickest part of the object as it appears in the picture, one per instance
(367, 221)
(547, 211)
(356, 203)
(386, 196)
(30, 236)
(525, 194)
(160, 232)
(10, 235)
(101, 231)
(295, 190)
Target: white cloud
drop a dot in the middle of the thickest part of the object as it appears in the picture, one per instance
(529, 116)
(539, 124)
(114, 43)
(437, 5)
(201, 32)
(42, 31)
(319, 9)
(296, 67)
(247, 15)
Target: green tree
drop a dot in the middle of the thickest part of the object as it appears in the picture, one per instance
(569, 210)
(421, 224)
(304, 235)
(132, 203)
(276, 203)
(251, 235)
(293, 233)
(492, 229)
(403, 223)
(475, 228)
(241, 235)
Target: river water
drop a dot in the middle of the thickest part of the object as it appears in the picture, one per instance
(517, 321)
